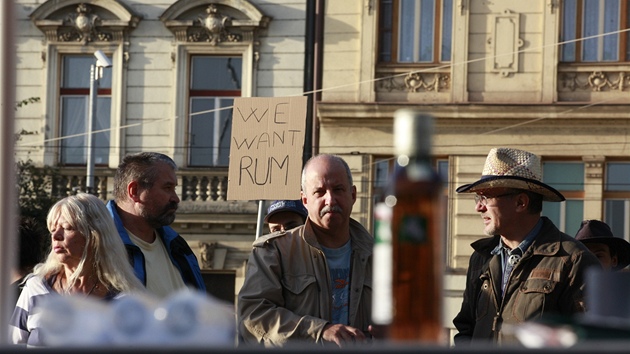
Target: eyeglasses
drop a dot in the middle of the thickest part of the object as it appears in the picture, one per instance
(479, 198)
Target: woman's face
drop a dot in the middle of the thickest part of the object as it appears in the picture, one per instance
(68, 244)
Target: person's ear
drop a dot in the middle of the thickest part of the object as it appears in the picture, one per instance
(303, 197)
(522, 200)
(133, 191)
(613, 261)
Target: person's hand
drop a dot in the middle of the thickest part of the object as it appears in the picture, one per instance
(378, 331)
(342, 335)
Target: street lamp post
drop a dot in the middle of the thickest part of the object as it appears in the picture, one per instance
(96, 70)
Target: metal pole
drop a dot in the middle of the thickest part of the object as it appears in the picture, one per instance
(89, 178)
(8, 240)
(259, 222)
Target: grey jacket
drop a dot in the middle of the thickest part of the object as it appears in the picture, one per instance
(549, 279)
(287, 296)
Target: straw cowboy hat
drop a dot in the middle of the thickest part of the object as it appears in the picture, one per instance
(512, 168)
(595, 231)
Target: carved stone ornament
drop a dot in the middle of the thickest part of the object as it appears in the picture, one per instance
(504, 43)
(416, 82)
(206, 252)
(212, 28)
(83, 27)
(594, 81)
(88, 22)
(214, 22)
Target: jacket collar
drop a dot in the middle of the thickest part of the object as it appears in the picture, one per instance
(547, 243)
(358, 238)
(165, 232)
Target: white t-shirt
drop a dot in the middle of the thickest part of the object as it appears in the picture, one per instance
(163, 277)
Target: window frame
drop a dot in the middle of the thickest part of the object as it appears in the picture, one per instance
(216, 94)
(624, 22)
(83, 92)
(185, 51)
(571, 196)
(55, 53)
(394, 39)
(618, 196)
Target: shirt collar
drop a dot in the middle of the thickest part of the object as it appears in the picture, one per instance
(524, 245)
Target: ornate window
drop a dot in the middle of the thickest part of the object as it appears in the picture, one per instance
(599, 22)
(414, 49)
(215, 55)
(74, 105)
(73, 32)
(415, 31)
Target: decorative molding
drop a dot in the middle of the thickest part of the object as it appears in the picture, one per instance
(84, 27)
(212, 28)
(415, 82)
(91, 22)
(594, 166)
(504, 43)
(370, 6)
(594, 81)
(214, 22)
(206, 253)
(462, 5)
(553, 5)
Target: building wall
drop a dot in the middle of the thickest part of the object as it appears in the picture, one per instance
(505, 87)
(149, 104)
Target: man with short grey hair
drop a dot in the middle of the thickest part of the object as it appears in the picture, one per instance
(312, 283)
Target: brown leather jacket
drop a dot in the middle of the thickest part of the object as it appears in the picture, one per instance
(286, 295)
(549, 279)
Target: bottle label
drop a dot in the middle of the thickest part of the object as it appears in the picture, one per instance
(382, 303)
(413, 229)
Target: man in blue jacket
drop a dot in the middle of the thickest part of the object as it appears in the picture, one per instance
(145, 203)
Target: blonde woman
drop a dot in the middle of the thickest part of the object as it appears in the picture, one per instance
(87, 258)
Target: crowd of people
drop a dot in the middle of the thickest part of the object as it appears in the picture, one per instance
(309, 279)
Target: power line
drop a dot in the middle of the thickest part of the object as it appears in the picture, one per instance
(427, 70)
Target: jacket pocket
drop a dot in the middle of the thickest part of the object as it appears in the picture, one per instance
(484, 301)
(300, 293)
(531, 298)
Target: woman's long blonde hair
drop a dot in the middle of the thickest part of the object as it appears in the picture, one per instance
(103, 247)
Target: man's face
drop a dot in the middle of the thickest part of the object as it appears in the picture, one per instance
(284, 220)
(328, 195)
(499, 210)
(602, 251)
(159, 203)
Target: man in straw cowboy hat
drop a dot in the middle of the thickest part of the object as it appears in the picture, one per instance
(613, 252)
(527, 268)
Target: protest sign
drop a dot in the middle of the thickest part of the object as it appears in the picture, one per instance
(266, 148)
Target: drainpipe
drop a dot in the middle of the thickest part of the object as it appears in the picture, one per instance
(312, 72)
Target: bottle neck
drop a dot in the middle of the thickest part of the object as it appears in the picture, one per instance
(420, 159)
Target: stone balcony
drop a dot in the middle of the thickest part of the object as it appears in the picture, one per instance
(219, 231)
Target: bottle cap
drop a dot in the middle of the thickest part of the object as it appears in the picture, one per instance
(412, 132)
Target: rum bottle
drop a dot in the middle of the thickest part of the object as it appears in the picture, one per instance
(416, 229)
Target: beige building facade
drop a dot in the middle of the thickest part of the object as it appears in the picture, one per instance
(177, 66)
(493, 73)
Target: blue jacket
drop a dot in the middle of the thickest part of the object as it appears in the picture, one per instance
(181, 255)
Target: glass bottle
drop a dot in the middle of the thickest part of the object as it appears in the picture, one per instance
(417, 258)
